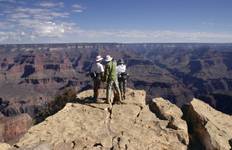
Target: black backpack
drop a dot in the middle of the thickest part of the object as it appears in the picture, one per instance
(93, 75)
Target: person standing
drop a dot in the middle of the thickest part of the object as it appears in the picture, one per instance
(122, 77)
(110, 76)
(97, 72)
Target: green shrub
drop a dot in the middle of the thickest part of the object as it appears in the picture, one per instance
(60, 100)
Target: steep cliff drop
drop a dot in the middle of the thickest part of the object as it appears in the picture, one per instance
(86, 125)
(211, 127)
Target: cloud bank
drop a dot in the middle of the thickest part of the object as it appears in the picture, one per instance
(47, 21)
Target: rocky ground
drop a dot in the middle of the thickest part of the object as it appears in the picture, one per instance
(134, 125)
(89, 125)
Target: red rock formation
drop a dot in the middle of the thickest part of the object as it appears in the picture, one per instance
(11, 128)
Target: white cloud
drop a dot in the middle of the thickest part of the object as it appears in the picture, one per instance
(48, 22)
(77, 8)
(8, 1)
(24, 23)
(152, 36)
(51, 4)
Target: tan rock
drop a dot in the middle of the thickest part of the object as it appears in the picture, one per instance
(213, 128)
(4, 146)
(167, 111)
(93, 126)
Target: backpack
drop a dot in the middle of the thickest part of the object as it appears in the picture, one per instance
(123, 76)
(93, 75)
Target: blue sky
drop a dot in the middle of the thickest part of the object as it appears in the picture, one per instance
(56, 21)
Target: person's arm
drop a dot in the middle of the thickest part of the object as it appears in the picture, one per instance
(93, 68)
(117, 69)
(102, 72)
(106, 72)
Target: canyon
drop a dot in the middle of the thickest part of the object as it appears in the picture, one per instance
(32, 74)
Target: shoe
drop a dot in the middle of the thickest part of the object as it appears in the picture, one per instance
(120, 102)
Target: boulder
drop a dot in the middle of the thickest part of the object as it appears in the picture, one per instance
(4, 146)
(165, 110)
(211, 127)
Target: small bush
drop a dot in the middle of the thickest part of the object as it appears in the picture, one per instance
(60, 100)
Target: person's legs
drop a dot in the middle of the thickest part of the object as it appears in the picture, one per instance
(95, 89)
(109, 93)
(117, 91)
(123, 89)
(120, 86)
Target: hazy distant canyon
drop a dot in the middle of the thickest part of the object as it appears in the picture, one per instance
(30, 75)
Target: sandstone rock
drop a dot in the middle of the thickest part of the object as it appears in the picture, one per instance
(90, 126)
(4, 146)
(11, 128)
(167, 111)
(213, 128)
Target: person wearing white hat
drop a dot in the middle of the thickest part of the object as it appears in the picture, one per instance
(110, 76)
(97, 72)
(122, 77)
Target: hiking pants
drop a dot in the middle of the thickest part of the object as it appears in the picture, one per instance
(122, 87)
(96, 86)
(112, 85)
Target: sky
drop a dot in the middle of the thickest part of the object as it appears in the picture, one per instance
(124, 21)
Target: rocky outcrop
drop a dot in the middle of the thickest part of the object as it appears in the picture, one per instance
(132, 125)
(4, 146)
(212, 128)
(87, 125)
(168, 111)
(11, 128)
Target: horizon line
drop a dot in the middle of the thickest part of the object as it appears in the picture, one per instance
(114, 43)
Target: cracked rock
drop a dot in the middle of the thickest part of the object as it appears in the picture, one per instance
(91, 126)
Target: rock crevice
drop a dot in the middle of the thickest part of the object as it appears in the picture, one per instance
(133, 125)
(209, 128)
(91, 126)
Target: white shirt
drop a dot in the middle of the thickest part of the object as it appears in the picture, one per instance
(97, 67)
(121, 68)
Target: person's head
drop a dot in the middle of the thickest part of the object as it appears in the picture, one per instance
(98, 58)
(108, 58)
(120, 61)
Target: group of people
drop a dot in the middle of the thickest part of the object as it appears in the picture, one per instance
(115, 76)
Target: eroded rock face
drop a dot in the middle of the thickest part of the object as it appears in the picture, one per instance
(11, 128)
(87, 125)
(213, 128)
(168, 111)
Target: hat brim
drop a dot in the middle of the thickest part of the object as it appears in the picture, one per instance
(99, 59)
(107, 60)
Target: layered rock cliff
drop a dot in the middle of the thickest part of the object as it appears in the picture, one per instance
(11, 128)
(30, 75)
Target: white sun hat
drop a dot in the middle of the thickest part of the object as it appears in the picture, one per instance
(108, 58)
(99, 58)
